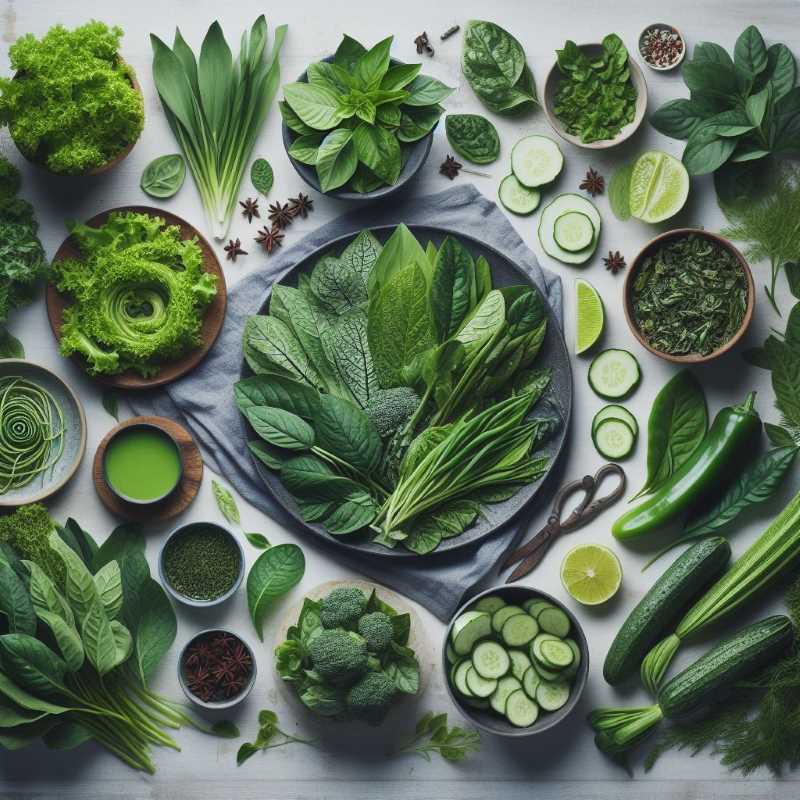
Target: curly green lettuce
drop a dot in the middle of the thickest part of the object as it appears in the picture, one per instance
(71, 105)
(139, 292)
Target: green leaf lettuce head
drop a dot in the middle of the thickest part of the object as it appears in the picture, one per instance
(71, 105)
(353, 116)
(139, 295)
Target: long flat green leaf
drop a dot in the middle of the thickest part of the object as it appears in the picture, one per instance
(214, 74)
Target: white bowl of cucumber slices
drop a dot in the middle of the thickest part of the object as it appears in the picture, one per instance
(516, 661)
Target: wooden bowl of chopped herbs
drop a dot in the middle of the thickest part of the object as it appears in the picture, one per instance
(689, 296)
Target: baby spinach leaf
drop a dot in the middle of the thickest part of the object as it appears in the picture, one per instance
(32, 665)
(67, 735)
(316, 106)
(677, 424)
(67, 639)
(399, 324)
(269, 456)
(781, 70)
(356, 511)
(10, 346)
(272, 575)
(678, 118)
(336, 159)
(278, 391)
(452, 288)
(473, 137)
(15, 602)
(281, 428)
(45, 596)
(706, 151)
(750, 52)
(403, 668)
(226, 503)
(399, 250)
(258, 540)
(163, 176)
(378, 149)
(108, 580)
(98, 639)
(26, 700)
(155, 627)
(346, 431)
(78, 584)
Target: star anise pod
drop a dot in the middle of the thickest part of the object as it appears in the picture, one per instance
(232, 686)
(615, 261)
(198, 678)
(270, 239)
(450, 167)
(280, 215)
(225, 671)
(301, 205)
(594, 183)
(224, 641)
(250, 206)
(233, 249)
(240, 659)
(198, 654)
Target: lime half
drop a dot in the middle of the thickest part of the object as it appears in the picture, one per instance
(591, 573)
(589, 317)
(659, 186)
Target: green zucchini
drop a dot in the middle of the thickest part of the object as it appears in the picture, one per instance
(692, 572)
(731, 660)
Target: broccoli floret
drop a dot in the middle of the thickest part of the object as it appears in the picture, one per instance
(27, 531)
(370, 698)
(390, 409)
(339, 656)
(377, 629)
(342, 608)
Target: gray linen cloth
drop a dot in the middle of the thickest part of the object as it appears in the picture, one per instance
(203, 400)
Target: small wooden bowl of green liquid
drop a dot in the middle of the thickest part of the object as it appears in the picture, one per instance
(142, 464)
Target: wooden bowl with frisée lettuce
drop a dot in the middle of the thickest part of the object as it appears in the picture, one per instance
(269, 389)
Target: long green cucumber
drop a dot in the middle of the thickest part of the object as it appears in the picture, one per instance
(718, 670)
(691, 573)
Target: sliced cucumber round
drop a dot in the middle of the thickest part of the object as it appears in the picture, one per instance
(614, 439)
(460, 677)
(530, 680)
(490, 604)
(516, 198)
(478, 685)
(519, 630)
(502, 614)
(551, 695)
(536, 160)
(521, 711)
(563, 204)
(557, 654)
(468, 628)
(490, 661)
(614, 374)
(573, 231)
(505, 687)
(614, 411)
(520, 663)
(554, 621)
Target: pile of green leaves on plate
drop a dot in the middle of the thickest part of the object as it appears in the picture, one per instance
(493, 62)
(347, 656)
(742, 111)
(355, 115)
(393, 388)
(595, 99)
(216, 107)
(83, 629)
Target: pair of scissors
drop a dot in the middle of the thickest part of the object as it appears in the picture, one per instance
(530, 554)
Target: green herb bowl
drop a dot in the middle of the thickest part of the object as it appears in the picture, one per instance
(493, 723)
(191, 601)
(551, 88)
(633, 271)
(216, 705)
(417, 155)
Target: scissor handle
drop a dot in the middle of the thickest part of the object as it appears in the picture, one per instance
(590, 507)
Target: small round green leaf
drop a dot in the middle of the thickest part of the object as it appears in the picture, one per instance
(261, 175)
(163, 176)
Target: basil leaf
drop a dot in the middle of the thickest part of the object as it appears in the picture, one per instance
(155, 626)
(316, 106)
(79, 585)
(729, 123)
(415, 123)
(26, 700)
(108, 580)
(399, 250)
(372, 66)
(329, 75)
(792, 270)
(750, 52)
(98, 639)
(706, 151)
(163, 176)
(67, 639)
(293, 122)
(756, 105)
(677, 424)
(399, 76)
(473, 137)
(678, 118)
(226, 503)
(378, 149)
(786, 122)
(779, 436)
(426, 91)
(281, 428)
(712, 53)
(272, 575)
(336, 159)
(269, 456)
(305, 149)
(348, 52)
(714, 79)
(781, 70)
(785, 365)
(757, 483)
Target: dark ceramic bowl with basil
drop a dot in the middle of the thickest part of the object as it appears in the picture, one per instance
(488, 720)
(164, 570)
(415, 154)
(557, 400)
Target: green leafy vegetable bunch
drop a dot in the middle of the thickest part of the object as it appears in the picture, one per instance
(595, 98)
(71, 105)
(139, 294)
(347, 657)
(741, 111)
(82, 629)
(394, 388)
(355, 115)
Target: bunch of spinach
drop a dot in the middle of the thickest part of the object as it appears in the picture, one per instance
(335, 349)
(355, 115)
(294, 664)
(740, 111)
(80, 644)
(595, 98)
(493, 62)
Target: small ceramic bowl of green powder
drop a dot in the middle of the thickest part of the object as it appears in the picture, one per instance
(201, 564)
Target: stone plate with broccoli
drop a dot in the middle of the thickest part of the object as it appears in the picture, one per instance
(404, 391)
(352, 651)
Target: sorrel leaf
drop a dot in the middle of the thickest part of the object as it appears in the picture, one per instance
(272, 575)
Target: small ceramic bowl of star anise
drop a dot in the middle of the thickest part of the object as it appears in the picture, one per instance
(216, 669)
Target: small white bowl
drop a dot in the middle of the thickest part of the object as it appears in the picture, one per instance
(662, 26)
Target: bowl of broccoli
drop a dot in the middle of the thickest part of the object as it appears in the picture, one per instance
(346, 654)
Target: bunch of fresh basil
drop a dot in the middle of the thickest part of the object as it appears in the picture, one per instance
(355, 114)
(740, 111)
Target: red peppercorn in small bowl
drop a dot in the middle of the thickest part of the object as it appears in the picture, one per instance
(661, 46)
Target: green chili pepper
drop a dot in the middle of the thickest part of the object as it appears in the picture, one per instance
(727, 446)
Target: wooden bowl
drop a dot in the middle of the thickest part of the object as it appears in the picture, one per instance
(633, 270)
(551, 87)
(212, 321)
(103, 167)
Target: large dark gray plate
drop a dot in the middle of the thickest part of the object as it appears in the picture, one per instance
(559, 397)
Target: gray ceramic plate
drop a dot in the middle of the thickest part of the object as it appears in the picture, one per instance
(74, 440)
(416, 153)
(558, 397)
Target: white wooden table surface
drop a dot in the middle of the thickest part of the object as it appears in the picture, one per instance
(563, 764)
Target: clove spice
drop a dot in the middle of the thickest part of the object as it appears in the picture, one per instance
(450, 31)
(423, 44)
